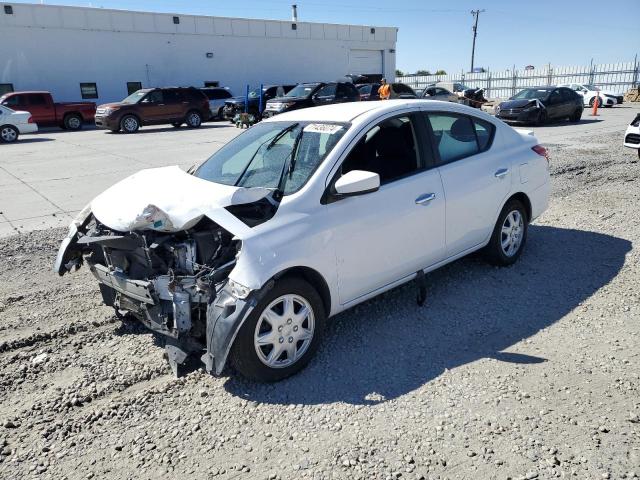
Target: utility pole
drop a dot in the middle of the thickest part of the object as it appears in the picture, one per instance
(476, 14)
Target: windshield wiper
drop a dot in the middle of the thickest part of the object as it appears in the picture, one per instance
(287, 168)
(281, 134)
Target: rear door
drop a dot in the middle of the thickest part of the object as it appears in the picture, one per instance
(178, 102)
(41, 110)
(476, 179)
(555, 105)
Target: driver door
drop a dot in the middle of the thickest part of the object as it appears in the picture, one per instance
(387, 235)
(152, 107)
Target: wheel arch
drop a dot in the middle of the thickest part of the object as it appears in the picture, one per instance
(524, 199)
(314, 278)
(74, 113)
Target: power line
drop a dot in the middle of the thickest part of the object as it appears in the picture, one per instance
(476, 14)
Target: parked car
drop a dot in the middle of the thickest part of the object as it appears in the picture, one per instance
(155, 106)
(67, 115)
(541, 104)
(235, 105)
(217, 97)
(439, 93)
(632, 135)
(13, 124)
(589, 94)
(301, 217)
(369, 91)
(312, 95)
(455, 87)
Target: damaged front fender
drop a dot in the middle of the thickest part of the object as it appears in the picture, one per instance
(225, 317)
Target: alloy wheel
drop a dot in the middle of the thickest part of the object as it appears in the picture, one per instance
(284, 331)
(9, 134)
(512, 232)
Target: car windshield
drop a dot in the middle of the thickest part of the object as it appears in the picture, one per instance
(135, 97)
(260, 156)
(592, 88)
(364, 89)
(530, 94)
(9, 110)
(302, 90)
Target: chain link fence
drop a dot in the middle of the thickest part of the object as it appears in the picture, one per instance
(617, 77)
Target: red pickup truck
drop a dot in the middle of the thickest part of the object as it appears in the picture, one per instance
(68, 115)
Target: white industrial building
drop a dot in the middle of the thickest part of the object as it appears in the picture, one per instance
(111, 52)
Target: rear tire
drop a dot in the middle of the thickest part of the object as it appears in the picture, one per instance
(244, 352)
(9, 134)
(193, 119)
(592, 101)
(129, 124)
(576, 115)
(72, 121)
(509, 235)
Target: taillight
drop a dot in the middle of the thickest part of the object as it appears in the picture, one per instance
(540, 150)
(30, 119)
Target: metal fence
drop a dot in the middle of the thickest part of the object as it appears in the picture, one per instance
(618, 77)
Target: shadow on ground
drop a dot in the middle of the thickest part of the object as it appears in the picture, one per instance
(169, 129)
(389, 346)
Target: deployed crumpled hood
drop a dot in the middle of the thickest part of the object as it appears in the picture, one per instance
(517, 103)
(168, 199)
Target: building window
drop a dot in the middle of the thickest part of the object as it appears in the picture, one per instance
(294, 26)
(373, 31)
(8, 9)
(176, 20)
(6, 88)
(212, 84)
(89, 90)
(133, 87)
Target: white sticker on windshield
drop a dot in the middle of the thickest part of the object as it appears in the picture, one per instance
(322, 128)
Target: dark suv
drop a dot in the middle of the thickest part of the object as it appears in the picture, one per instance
(235, 105)
(155, 106)
(312, 95)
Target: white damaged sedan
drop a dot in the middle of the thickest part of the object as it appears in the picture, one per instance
(301, 217)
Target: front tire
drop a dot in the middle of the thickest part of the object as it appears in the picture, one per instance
(282, 332)
(194, 119)
(576, 115)
(9, 134)
(542, 118)
(73, 122)
(509, 235)
(129, 124)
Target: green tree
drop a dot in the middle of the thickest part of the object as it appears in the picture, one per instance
(423, 72)
(399, 73)
(441, 72)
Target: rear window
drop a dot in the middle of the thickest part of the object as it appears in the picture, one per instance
(459, 136)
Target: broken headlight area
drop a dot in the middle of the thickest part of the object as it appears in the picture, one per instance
(168, 281)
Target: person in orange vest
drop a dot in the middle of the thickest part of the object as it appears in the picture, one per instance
(384, 92)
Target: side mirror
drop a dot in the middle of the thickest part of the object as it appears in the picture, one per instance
(357, 182)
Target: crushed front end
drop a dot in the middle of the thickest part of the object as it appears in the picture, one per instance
(176, 284)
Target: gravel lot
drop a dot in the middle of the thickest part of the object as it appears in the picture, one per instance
(532, 371)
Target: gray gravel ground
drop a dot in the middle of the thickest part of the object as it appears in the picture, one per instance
(527, 372)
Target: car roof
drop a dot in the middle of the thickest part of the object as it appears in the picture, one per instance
(350, 111)
(26, 91)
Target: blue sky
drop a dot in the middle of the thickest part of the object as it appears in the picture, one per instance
(435, 35)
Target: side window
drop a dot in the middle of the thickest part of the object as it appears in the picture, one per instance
(153, 97)
(6, 88)
(36, 99)
(389, 149)
(454, 136)
(555, 98)
(173, 96)
(279, 92)
(484, 133)
(327, 90)
(15, 101)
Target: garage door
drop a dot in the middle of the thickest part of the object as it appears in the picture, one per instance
(366, 62)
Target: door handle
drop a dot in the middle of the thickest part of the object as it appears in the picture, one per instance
(425, 198)
(501, 172)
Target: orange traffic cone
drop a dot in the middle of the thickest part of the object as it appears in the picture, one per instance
(596, 101)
